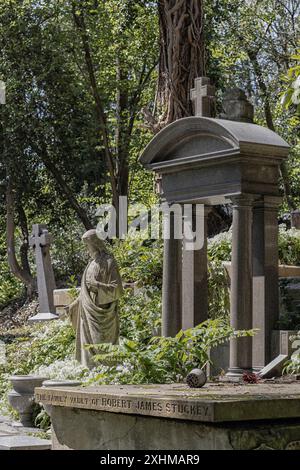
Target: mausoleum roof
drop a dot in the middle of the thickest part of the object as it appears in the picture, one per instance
(198, 138)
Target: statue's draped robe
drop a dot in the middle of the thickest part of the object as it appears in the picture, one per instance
(94, 315)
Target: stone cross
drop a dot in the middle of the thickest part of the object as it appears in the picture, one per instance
(203, 97)
(40, 241)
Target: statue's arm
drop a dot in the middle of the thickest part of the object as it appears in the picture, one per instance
(108, 280)
(72, 312)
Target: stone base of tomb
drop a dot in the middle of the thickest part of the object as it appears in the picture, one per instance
(174, 417)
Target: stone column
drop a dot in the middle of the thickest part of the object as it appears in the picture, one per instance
(265, 278)
(241, 284)
(194, 280)
(171, 290)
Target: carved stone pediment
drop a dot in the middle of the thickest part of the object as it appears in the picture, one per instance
(197, 139)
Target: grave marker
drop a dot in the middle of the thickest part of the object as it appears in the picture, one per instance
(40, 241)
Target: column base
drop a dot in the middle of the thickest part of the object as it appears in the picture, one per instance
(236, 372)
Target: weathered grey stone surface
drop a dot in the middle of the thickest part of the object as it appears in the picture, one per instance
(86, 430)
(94, 314)
(172, 284)
(284, 270)
(213, 403)
(40, 241)
(295, 221)
(203, 97)
(194, 305)
(63, 297)
(281, 342)
(56, 384)
(275, 367)
(24, 443)
(22, 397)
(219, 356)
(26, 383)
(236, 107)
(265, 278)
(241, 299)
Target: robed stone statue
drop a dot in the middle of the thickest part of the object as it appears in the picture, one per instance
(94, 314)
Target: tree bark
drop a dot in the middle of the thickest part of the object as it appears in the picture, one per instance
(24, 249)
(21, 272)
(182, 55)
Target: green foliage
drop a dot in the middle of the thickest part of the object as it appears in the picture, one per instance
(140, 314)
(293, 365)
(289, 318)
(30, 346)
(291, 97)
(289, 246)
(219, 250)
(10, 287)
(164, 360)
(140, 261)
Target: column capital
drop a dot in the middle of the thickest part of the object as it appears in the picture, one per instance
(242, 200)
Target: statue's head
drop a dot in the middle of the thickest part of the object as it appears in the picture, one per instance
(94, 244)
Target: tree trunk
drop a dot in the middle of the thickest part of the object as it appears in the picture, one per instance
(24, 249)
(21, 272)
(182, 55)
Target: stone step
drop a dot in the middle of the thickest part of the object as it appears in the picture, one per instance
(24, 443)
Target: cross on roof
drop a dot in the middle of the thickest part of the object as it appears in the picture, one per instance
(203, 97)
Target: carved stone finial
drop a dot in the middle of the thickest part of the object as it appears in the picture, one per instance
(236, 106)
(203, 97)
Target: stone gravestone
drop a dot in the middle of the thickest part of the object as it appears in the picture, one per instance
(40, 241)
(236, 107)
(209, 161)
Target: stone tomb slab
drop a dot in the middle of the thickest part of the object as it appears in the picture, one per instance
(214, 403)
(24, 443)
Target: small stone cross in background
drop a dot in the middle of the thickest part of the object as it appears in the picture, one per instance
(203, 97)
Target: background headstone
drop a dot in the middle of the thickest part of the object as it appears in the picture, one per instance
(40, 241)
(236, 106)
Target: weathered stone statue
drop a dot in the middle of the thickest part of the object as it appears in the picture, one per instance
(94, 315)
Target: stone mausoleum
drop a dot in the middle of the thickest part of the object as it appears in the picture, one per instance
(202, 160)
